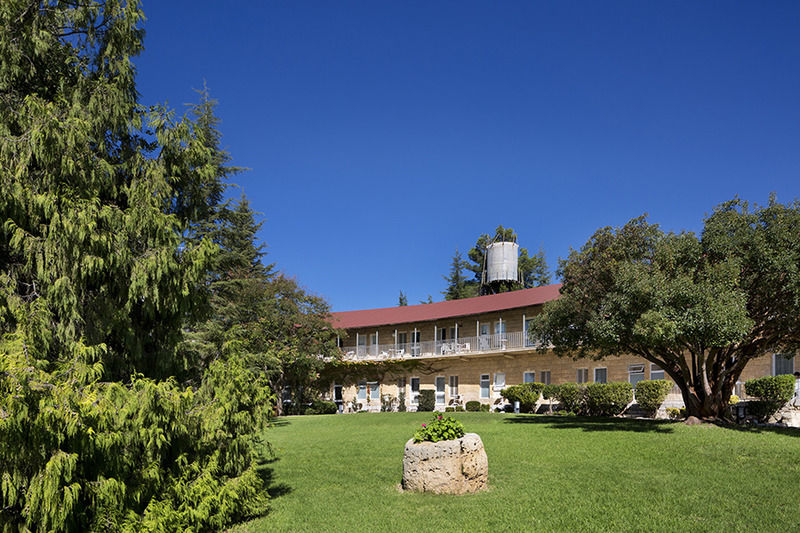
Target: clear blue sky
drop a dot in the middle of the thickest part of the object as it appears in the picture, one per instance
(381, 136)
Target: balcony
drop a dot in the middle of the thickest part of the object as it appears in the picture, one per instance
(500, 342)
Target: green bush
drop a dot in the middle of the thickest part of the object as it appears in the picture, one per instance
(439, 428)
(607, 399)
(650, 394)
(401, 402)
(449, 409)
(322, 407)
(473, 406)
(676, 413)
(427, 400)
(772, 393)
(527, 394)
(570, 396)
(550, 392)
(778, 389)
(484, 408)
(387, 403)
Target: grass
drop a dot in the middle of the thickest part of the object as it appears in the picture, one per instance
(341, 473)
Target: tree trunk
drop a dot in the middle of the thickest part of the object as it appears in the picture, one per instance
(708, 405)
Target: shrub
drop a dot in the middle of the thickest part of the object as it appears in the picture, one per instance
(676, 413)
(459, 409)
(607, 399)
(449, 409)
(322, 407)
(401, 402)
(650, 394)
(550, 392)
(772, 392)
(734, 399)
(387, 403)
(427, 400)
(440, 428)
(570, 396)
(473, 406)
(484, 408)
(527, 394)
(779, 389)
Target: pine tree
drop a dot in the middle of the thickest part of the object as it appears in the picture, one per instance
(458, 286)
(402, 300)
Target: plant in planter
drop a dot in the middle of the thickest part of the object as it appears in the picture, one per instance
(441, 458)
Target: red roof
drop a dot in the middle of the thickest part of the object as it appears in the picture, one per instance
(439, 310)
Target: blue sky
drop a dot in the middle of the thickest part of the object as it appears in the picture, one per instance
(381, 136)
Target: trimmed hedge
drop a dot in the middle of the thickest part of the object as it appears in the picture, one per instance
(550, 392)
(570, 396)
(607, 399)
(527, 394)
(322, 407)
(427, 400)
(651, 393)
(473, 406)
(772, 391)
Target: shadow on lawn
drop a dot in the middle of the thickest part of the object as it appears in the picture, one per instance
(595, 423)
(267, 475)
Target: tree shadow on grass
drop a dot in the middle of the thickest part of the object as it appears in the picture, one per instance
(775, 430)
(595, 423)
(278, 422)
(267, 475)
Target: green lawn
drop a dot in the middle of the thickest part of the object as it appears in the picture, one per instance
(341, 473)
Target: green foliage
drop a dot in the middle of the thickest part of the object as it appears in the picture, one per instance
(439, 428)
(650, 394)
(570, 396)
(322, 407)
(401, 402)
(676, 413)
(387, 403)
(734, 400)
(527, 394)
(484, 407)
(779, 389)
(550, 392)
(699, 307)
(473, 406)
(772, 391)
(427, 400)
(402, 300)
(458, 286)
(607, 399)
(84, 455)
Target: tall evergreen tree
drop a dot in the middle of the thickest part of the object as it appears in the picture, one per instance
(402, 300)
(458, 286)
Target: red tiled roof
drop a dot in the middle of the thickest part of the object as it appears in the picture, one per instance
(439, 310)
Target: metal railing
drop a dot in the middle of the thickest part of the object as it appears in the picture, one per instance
(498, 342)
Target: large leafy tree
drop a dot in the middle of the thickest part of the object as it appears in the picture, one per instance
(533, 268)
(699, 307)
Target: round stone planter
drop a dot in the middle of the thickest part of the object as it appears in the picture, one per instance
(446, 467)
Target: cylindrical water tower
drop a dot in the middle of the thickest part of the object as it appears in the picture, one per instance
(502, 262)
(501, 266)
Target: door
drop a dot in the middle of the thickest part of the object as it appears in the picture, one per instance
(440, 390)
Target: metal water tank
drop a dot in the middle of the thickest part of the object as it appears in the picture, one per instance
(502, 260)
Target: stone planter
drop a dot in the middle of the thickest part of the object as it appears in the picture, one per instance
(446, 467)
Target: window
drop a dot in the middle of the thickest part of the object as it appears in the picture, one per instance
(499, 381)
(442, 332)
(361, 349)
(499, 334)
(440, 390)
(781, 365)
(453, 386)
(401, 385)
(499, 327)
(374, 390)
(483, 340)
(582, 376)
(373, 343)
(362, 390)
(484, 385)
(544, 375)
(453, 333)
(528, 324)
(656, 372)
(528, 377)
(600, 375)
(635, 374)
(415, 336)
(414, 391)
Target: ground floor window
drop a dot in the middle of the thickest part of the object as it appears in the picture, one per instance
(414, 391)
(656, 372)
(337, 394)
(453, 386)
(362, 390)
(782, 365)
(528, 377)
(635, 374)
(374, 391)
(600, 375)
(440, 390)
(499, 381)
(582, 375)
(544, 376)
(484, 385)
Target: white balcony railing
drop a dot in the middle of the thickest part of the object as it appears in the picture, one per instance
(499, 342)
